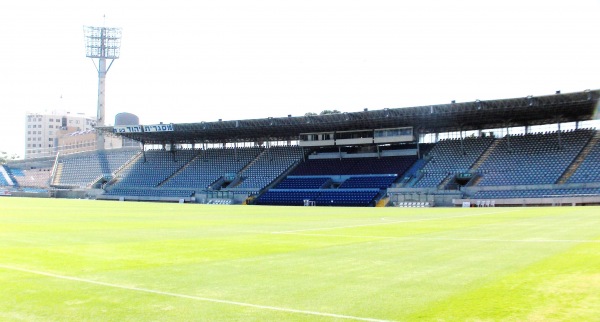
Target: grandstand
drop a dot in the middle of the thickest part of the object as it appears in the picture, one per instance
(99, 166)
(517, 160)
(521, 151)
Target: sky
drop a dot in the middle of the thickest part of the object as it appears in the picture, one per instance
(191, 61)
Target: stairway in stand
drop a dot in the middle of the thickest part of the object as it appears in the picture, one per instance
(187, 164)
(58, 174)
(484, 156)
(445, 181)
(582, 155)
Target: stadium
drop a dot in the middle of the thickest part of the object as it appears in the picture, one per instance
(382, 215)
(230, 199)
(520, 151)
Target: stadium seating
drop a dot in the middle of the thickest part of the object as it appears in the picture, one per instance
(346, 197)
(82, 169)
(269, 166)
(450, 157)
(210, 165)
(303, 183)
(12, 174)
(412, 171)
(588, 170)
(363, 180)
(532, 158)
(34, 178)
(288, 197)
(371, 181)
(322, 197)
(159, 165)
(536, 193)
(529, 159)
(4, 176)
(250, 168)
(14, 171)
(355, 166)
(379, 182)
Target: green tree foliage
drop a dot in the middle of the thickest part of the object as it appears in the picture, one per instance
(4, 157)
(326, 112)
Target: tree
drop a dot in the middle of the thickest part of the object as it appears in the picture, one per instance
(4, 157)
(324, 112)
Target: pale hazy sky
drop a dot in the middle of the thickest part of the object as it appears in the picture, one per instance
(192, 61)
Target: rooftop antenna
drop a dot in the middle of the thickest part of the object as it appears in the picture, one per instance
(102, 43)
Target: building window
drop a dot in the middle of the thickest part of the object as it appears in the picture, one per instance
(50, 126)
(50, 140)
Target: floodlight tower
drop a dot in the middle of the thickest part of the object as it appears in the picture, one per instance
(102, 43)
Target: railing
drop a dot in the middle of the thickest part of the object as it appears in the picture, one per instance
(54, 167)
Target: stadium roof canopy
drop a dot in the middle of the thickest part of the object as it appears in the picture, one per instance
(477, 115)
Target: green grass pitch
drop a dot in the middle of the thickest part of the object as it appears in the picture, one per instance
(81, 260)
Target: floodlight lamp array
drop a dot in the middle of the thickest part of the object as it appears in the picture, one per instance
(102, 42)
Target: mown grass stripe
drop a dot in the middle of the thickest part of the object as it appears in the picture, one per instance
(191, 297)
(491, 240)
(389, 222)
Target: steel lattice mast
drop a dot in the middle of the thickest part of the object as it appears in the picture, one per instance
(102, 43)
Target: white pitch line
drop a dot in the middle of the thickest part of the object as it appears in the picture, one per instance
(387, 223)
(191, 297)
(515, 240)
(492, 240)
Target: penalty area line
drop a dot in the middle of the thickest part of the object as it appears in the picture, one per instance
(190, 297)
